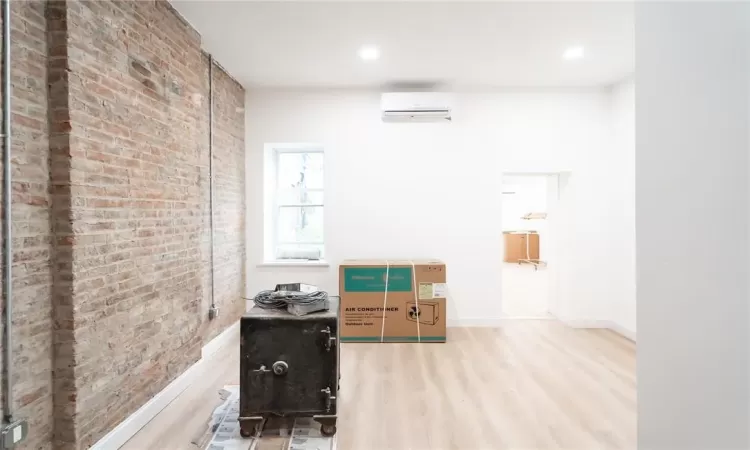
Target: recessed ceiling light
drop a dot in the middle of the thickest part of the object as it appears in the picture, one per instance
(572, 53)
(369, 53)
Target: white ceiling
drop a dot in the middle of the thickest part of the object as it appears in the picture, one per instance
(459, 44)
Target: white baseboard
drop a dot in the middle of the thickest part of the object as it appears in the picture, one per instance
(220, 341)
(475, 322)
(608, 324)
(491, 322)
(587, 323)
(511, 319)
(622, 331)
(132, 424)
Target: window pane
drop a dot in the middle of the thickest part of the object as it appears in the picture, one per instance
(299, 197)
(300, 170)
(300, 224)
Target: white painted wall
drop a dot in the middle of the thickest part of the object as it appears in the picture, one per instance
(692, 206)
(529, 196)
(434, 190)
(594, 230)
(621, 208)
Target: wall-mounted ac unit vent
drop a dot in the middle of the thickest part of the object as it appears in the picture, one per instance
(416, 106)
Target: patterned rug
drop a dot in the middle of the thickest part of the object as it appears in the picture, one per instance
(223, 431)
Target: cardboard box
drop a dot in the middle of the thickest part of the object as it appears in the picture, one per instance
(520, 245)
(415, 304)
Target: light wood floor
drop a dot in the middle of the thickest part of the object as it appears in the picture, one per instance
(529, 385)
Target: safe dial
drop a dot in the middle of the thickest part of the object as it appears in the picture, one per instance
(280, 368)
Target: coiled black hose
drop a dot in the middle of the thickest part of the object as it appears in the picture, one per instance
(282, 299)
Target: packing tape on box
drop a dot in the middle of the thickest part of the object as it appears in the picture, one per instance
(416, 298)
(385, 298)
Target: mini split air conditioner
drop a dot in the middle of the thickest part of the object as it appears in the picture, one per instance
(416, 106)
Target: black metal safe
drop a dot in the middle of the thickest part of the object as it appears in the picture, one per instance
(289, 367)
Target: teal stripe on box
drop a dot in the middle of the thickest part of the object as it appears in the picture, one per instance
(372, 279)
(392, 339)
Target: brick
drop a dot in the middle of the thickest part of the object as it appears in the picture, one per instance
(112, 189)
(30, 220)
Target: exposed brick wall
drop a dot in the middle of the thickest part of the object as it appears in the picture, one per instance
(63, 355)
(136, 106)
(229, 201)
(32, 332)
(115, 153)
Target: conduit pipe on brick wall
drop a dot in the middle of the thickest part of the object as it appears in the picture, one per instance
(213, 311)
(7, 238)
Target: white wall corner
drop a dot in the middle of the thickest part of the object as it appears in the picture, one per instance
(624, 332)
(605, 324)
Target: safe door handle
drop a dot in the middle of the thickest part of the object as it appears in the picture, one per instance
(262, 369)
(279, 368)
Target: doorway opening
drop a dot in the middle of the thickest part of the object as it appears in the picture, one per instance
(529, 204)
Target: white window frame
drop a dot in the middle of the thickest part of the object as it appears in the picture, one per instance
(272, 206)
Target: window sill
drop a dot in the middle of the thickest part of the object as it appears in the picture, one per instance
(292, 263)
